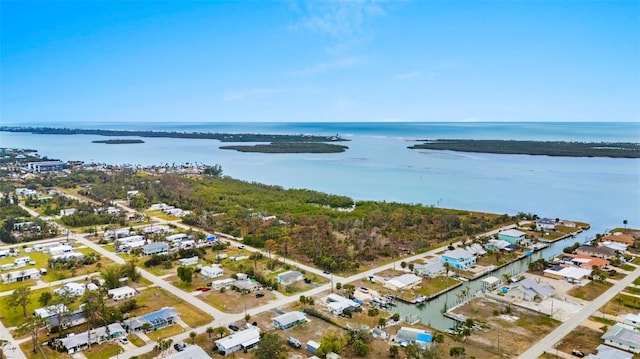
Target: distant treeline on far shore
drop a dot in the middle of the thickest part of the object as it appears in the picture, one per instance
(546, 148)
(222, 137)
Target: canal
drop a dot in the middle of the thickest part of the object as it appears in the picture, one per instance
(431, 313)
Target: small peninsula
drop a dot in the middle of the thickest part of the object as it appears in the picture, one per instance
(543, 148)
(290, 147)
(117, 142)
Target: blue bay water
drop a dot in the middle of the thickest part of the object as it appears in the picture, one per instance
(378, 165)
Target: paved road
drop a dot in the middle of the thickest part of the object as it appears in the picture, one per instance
(560, 332)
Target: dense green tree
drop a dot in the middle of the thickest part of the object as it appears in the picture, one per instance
(360, 348)
(271, 347)
(331, 342)
(185, 274)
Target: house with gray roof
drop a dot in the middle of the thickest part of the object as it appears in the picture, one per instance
(289, 320)
(624, 337)
(430, 270)
(290, 277)
(597, 252)
(529, 289)
(78, 342)
(190, 352)
(606, 352)
(155, 248)
(407, 335)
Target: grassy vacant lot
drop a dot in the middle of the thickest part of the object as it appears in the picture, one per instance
(518, 328)
(235, 302)
(435, 285)
(11, 316)
(136, 340)
(621, 304)
(590, 291)
(582, 338)
(155, 298)
(628, 267)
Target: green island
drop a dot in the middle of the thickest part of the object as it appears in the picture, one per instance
(222, 137)
(290, 147)
(117, 142)
(545, 148)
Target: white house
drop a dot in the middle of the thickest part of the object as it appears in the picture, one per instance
(190, 352)
(50, 311)
(289, 320)
(155, 248)
(405, 281)
(121, 293)
(63, 248)
(188, 261)
(546, 224)
(212, 271)
(221, 283)
(245, 339)
(175, 238)
(73, 289)
(290, 277)
(80, 341)
(67, 212)
(632, 320)
(624, 337)
(20, 275)
(430, 270)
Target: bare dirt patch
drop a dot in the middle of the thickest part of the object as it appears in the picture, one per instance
(582, 338)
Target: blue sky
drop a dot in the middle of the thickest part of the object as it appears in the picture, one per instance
(201, 61)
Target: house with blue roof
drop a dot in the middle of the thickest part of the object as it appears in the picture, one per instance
(156, 320)
(512, 236)
(458, 258)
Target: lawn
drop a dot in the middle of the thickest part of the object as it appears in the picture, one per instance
(582, 338)
(628, 267)
(632, 290)
(15, 285)
(590, 291)
(49, 353)
(621, 304)
(103, 350)
(161, 215)
(165, 332)
(11, 316)
(155, 298)
(636, 260)
(436, 285)
(136, 340)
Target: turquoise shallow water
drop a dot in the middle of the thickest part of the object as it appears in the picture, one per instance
(378, 165)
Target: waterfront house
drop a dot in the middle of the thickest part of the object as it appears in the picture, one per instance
(242, 340)
(571, 274)
(430, 270)
(212, 271)
(290, 277)
(619, 247)
(458, 258)
(78, 342)
(121, 293)
(156, 320)
(545, 224)
(624, 337)
(338, 304)
(587, 262)
(491, 283)
(512, 236)
(528, 289)
(632, 320)
(607, 352)
(155, 248)
(405, 281)
(289, 320)
(598, 252)
(407, 335)
(619, 238)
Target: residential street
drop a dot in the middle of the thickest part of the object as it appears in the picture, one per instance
(546, 343)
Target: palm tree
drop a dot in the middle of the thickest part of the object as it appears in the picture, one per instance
(210, 331)
(193, 335)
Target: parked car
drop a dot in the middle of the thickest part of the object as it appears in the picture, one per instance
(294, 342)
(240, 247)
(179, 347)
(307, 280)
(204, 289)
(326, 272)
(123, 340)
(364, 290)
(577, 353)
(259, 295)
(233, 327)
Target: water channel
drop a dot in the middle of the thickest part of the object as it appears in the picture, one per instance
(431, 313)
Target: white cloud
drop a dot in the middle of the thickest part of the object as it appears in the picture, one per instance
(337, 18)
(243, 94)
(328, 66)
(408, 75)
